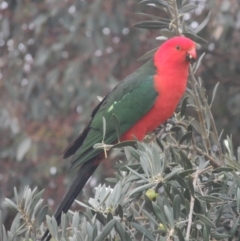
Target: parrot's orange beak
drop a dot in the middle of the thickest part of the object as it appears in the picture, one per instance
(191, 55)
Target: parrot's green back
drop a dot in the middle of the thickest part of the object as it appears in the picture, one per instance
(130, 100)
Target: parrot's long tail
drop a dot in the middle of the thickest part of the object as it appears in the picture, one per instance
(83, 174)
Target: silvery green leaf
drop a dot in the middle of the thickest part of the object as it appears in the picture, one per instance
(187, 8)
(120, 230)
(205, 220)
(52, 226)
(144, 231)
(106, 230)
(23, 148)
(11, 205)
(141, 188)
(169, 215)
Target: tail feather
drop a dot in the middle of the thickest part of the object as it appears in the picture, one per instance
(83, 174)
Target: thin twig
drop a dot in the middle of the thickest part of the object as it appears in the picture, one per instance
(195, 176)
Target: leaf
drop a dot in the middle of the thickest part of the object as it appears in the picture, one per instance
(148, 55)
(150, 217)
(141, 188)
(23, 148)
(172, 174)
(157, 2)
(179, 4)
(116, 125)
(180, 234)
(144, 231)
(159, 214)
(167, 33)
(184, 106)
(206, 220)
(187, 137)
(152, 25)
(238, 199)
(233, 229)
(11, 205)
(186, 172)
(210, 199)
(187, 8)
(203, 23)
(198, 63)
(104, 128)
(184, 159)
(42, 215)
(176, 207)
(194, 37)
(106, 230)
(190, 186)
(125, 144)
(120, 230)
(169, 216)
(52, 226)
(223, 169)
(219, 236)
(214, 93)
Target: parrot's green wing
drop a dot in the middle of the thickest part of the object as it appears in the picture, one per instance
(129, 101)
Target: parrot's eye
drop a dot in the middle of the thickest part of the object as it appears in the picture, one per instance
(178, 47)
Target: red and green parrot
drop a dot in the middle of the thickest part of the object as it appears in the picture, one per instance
(141, 102)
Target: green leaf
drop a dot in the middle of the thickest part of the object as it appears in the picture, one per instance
(52, 226)
(172, 174)
(120, 230)
(186, 172)
(194, 37)
(187, 137)
(185, 161)
(179, 4)
(159, 214)
(179, 234)
(238, 199)
(160, 3)
(222, 169)
(187, 8)
(106, 230)
(176, 207)
(11, 205)
(125, 144)
(206, 220)
(144, 231)
(190, 186)
(141, 188)
(152, 25)
(219, 236)
(214, 93)
(233, 229)
(184, 106)
(198, 63)
(148, 55)
(150, 217)
(210, 199)
(205, 233)
(203, 23)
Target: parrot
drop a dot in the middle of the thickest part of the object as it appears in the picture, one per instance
(141, 102)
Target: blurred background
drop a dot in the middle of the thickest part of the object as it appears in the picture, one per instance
(56, 57)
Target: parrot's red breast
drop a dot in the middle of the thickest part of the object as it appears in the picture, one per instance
(169, 82)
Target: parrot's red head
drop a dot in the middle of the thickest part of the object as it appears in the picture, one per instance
(178, 50)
